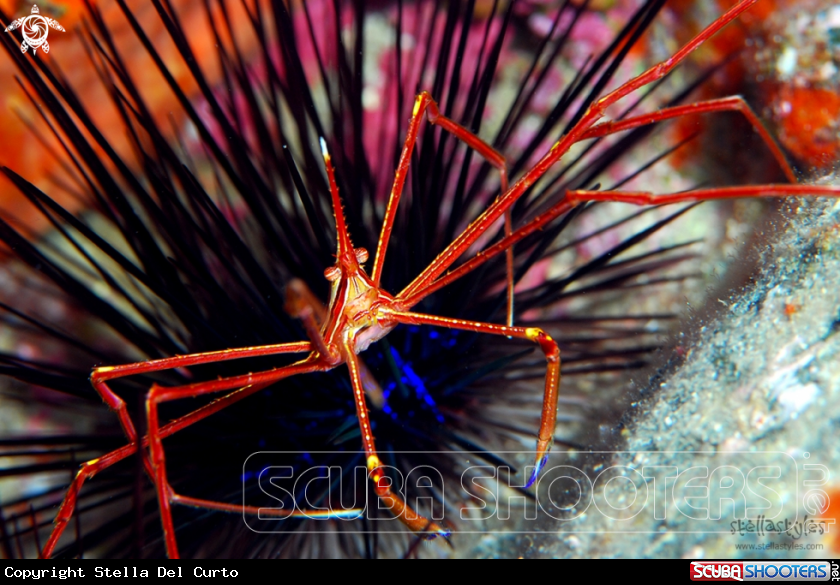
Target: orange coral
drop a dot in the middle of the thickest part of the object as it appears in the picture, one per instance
(808, 120)
(797, 98)
(19, 149)
(833, 513)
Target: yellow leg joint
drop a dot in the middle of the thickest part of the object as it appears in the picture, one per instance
(373, 462)
(534, 334)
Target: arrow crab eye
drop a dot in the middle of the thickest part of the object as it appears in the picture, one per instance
(361, 255)
(332, 273)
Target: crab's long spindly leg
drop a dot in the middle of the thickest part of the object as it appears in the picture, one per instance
(68, 505)
(548, 346)
(646, 198)
(594, 113)
(425, 105)
(91, 468)
(535, 224)
(634, 197)
(100, 377)
(381, 482)
(728, 104)
(158, 395)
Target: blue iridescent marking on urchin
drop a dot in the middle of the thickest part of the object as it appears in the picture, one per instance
(410, 379)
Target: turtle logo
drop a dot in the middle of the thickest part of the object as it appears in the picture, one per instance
(35, 29)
